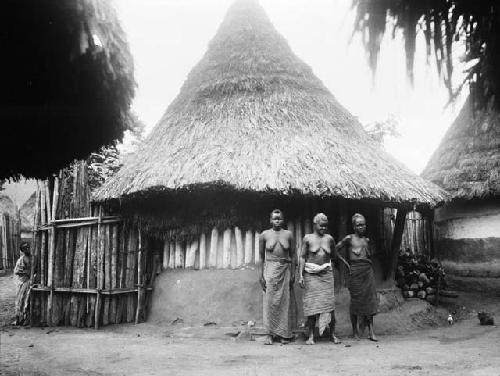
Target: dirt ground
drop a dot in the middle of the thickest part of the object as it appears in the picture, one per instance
(414, 340)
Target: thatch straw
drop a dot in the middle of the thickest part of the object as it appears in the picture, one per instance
(68, 83)
(252, 116)
(467, 162)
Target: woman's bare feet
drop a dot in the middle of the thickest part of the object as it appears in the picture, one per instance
(335, 340)
(269, 340)
(310, 341)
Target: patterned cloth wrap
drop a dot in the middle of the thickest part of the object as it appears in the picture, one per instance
(319, 296)
(277, 297)
(364, 300)
(22, 281)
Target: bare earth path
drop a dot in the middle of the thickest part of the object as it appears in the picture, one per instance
(147, 349)
(463, 349)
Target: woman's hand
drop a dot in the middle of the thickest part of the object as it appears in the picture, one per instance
(262, 282)
(301, 282)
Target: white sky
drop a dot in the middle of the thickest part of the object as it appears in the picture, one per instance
(168, 37)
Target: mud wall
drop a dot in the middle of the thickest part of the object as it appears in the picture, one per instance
(468, 244)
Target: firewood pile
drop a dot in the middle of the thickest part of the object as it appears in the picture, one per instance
(419, 277)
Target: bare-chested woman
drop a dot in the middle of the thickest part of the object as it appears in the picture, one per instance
(364, 301)
(276, 275)
(316, 277)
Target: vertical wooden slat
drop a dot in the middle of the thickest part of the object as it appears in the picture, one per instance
(214, 240)
(179, 254)
(139, 276)
(107, 272)
(203, 251)
(131, 264)
(342, 231)
(171, 259)
(248, 247)
(114, 272)
(43, 254)
(166, 253)
(191, 249)
(226, 248)
(298, 235)
(239, 247)
(256, 248)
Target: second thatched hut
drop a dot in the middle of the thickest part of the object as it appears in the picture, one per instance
(467, 165)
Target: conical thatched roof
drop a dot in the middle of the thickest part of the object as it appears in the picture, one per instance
(27, 212)
(467, 162)
(253, 116)
(7, 206)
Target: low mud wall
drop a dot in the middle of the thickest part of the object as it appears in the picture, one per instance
(196, 297)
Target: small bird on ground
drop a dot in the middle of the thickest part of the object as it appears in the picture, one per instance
(450, 319)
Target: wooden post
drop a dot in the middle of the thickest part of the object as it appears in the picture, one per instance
(203, 251)
(342, 231)
(166, 253)
(43, 253)
(256, 248)
(298, 235)
(239, 247)
(139, 276)
(248, 247)
(396, 242)
(191, 253)
(226, 248)
(212, 260)
(97, 309)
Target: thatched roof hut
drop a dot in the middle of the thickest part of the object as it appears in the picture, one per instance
(252, 129)
(27, 212)
(467, 161)
(68, 83)
(467, 165)
(252, 116)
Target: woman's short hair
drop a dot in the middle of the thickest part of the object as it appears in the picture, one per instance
(320, 217)
(357, 216)
(277, 211)
(24, 247)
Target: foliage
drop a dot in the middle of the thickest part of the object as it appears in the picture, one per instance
(102, 165)
(444, 23)
(378, 130)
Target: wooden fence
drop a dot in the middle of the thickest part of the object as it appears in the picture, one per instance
(9, 240)
(417, 235)
(88, 270)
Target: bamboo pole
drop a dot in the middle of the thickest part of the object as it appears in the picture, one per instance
(256, 248)
(226, 248)
(166, 253)
(239, 247)
(107, 272)
(43, 271)
(139, 275)
(191, 254)
(131, 265)
(203, 251)
(114, 270)
(212, 260)
(248, 247)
